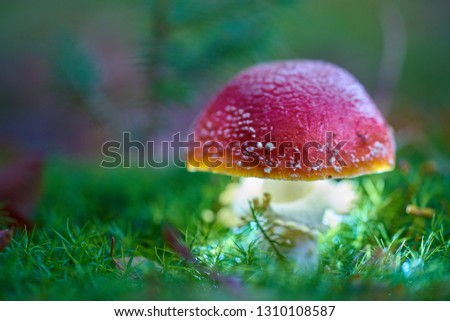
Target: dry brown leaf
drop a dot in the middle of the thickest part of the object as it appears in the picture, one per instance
(136, 261)
(20, 188)
(5, 238)
(172, 237)
(130, 262)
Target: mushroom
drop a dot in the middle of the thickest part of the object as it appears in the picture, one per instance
(294, 121)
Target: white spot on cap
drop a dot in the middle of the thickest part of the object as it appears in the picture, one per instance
(269, 147)
(377, 149)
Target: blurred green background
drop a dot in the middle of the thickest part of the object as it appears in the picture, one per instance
(75, 74)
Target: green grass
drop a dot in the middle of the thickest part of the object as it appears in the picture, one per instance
(378, 252)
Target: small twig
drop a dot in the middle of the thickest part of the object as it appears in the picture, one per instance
(264, 233)
(427, 212)
(113, 245)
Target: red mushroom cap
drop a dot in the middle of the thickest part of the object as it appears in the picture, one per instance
(293, 120)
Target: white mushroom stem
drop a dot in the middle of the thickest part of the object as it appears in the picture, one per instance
(299, 208)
